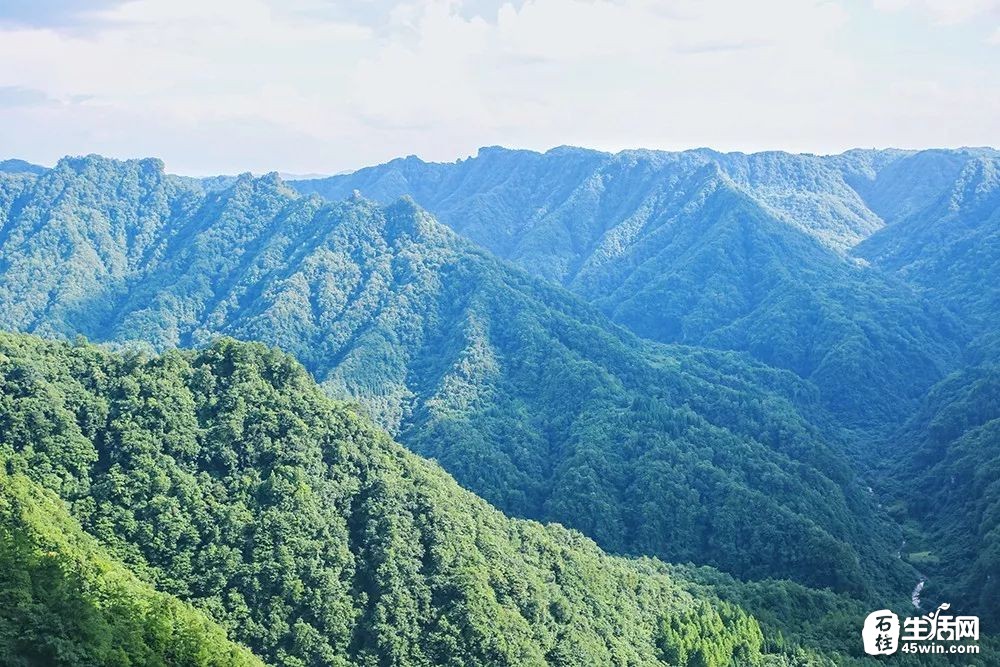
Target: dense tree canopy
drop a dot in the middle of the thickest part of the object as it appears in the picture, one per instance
(226, 478)
(943, 467)
(66, 602)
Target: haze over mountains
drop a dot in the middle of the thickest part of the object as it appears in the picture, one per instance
(766, 364)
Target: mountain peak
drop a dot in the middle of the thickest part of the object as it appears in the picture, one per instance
(16, 166)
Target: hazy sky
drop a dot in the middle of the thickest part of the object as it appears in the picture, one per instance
(314, 86)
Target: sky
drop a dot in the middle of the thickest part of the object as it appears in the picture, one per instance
(312, 86)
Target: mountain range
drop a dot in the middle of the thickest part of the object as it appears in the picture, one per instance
(768, 253)
(528, 396)
(764, 364)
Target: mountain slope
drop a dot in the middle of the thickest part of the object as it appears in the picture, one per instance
(530, 398)
(950, 248)
(729, 276)
(895, 184)
(945, 458)
(944, 470)
(731, 251)
(227, 478)
(508, 200)
(79, 231)
(66, 602)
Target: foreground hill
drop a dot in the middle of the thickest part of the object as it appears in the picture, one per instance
(530, 398)
(732, 251)
(226, 478)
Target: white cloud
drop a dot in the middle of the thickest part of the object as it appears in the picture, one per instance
(943, 11)
(312, 86)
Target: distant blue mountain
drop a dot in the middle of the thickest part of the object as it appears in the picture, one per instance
(20, 167)
(946, 239)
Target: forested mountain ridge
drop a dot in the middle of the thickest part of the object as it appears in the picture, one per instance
(732, 251)
(226, 478)
(951, 248)
(81, 231)
(839, 199)
(526, 395)
(528, 194)
(898, 184)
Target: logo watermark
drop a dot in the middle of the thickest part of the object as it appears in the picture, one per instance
(931, 633)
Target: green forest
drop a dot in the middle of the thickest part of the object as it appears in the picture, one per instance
(651, 409)
(228, 479)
